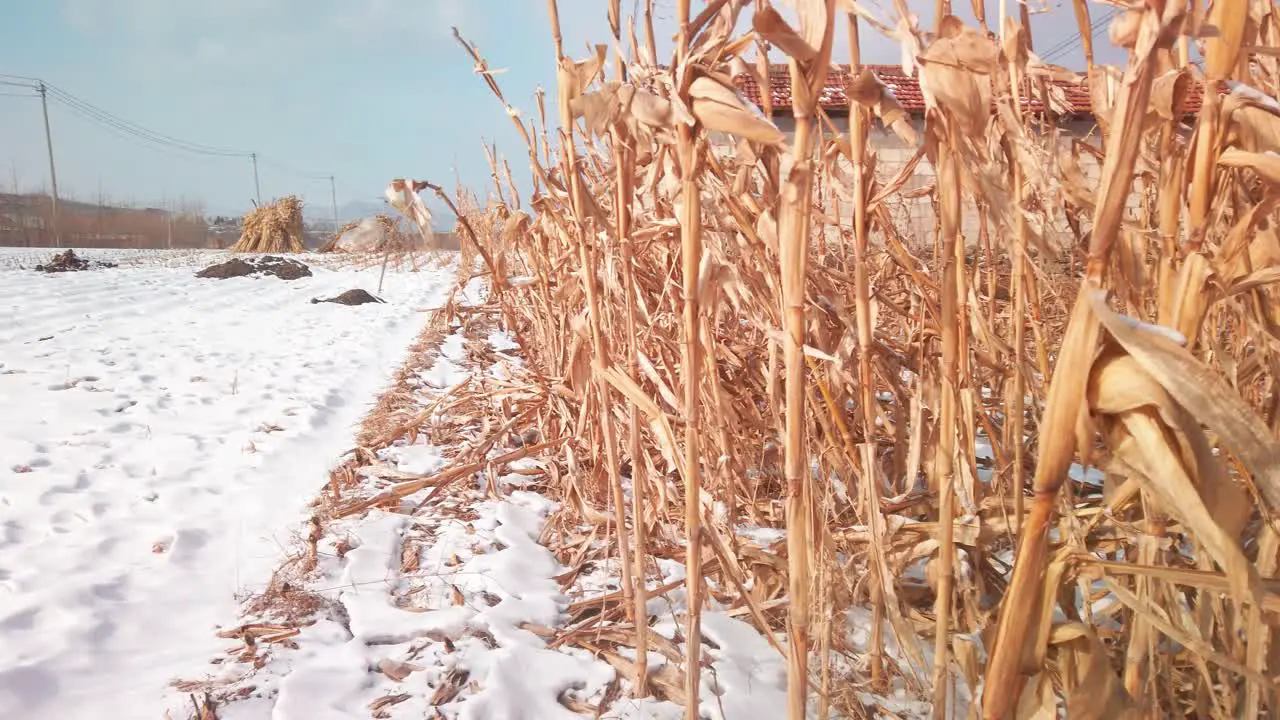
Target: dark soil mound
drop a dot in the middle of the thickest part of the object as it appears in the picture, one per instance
(70, 262)
(282, 268)
(350, 297)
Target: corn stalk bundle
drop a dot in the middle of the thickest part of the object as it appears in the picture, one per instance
(273, 228)
(1047, 447)
(390, 236)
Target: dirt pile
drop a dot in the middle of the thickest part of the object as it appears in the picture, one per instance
(68, 261)
(350, 297)
(282, 268)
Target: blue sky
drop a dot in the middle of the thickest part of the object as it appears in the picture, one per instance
(366, 90)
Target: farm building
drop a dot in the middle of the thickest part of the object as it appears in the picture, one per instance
(1070, 106)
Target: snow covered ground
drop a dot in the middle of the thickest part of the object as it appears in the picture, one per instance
(449, 599)
(160, 437)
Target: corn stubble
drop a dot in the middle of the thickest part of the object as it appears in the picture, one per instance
(742, 332)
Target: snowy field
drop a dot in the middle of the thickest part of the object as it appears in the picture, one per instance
(443, 600)
(161, 435)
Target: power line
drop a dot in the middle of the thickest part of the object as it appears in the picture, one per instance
(1069, 43)
(92, 112)
(121, 126)
(95, 113)
(291, 170)
(125, 132)
(106, 118)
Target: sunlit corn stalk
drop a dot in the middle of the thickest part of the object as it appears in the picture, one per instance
(1015, 403)
(1222, 53)
(858, 123)
(809, 49)
(539, 178)
(624, 165)
(586, 255)
(1256, 628)
(1081, 10)
(1004, 682)
(949, 213)
(1140, 674)
(691, 361)
(1142, 637)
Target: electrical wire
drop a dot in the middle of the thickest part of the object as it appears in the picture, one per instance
(93, 112)
(160, 138)
(292, 171)
(122, 127)
(106, 118)
(1071, 42)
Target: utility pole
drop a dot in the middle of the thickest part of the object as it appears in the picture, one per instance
(100, 203)
(333, 197)
(257, 190)
(53, 173)
(22, 205)
(168, 213)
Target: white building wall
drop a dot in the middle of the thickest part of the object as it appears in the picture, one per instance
(915, 218)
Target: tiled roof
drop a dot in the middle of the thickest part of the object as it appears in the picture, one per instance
(906, 89)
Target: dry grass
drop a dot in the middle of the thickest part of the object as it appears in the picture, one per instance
(273, 228)
(738, 347)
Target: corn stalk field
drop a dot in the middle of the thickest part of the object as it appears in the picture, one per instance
(1042, 462)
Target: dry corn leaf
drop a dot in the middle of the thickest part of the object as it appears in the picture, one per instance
(954, 72)
(661, 425)
(1123, 30)
(1104, 90)
(719, 107)
(1247, 245)
(397, 670)
(866, 89)
(1038, 701)
(1157, 617)
(1266, 165)
(1093, 690)
(599, 108)
(1139, 420)
(646, 107)
(1204, 395)
(1252, 120)
(1222, 50)
(815, 23)
(1256, 279)
(1168, 92)
(774, 29)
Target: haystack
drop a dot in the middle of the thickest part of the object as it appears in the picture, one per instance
(273, 228)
